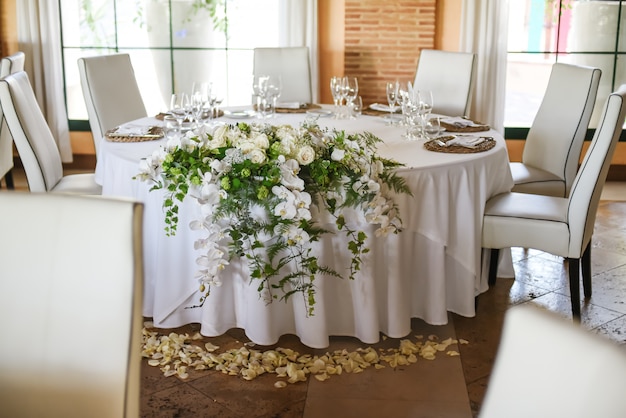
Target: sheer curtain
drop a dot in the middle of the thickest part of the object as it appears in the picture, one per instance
(298, 27)
(484, 32)
(38, 34)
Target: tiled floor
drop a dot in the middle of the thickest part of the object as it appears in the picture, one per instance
(445, 387)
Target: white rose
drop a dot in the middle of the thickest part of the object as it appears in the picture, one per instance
(261, 141)
(337, 154)
(219, 137)
(257, 156)
(246, 147)
(305, 155)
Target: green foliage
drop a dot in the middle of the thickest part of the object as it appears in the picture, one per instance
(258, 184)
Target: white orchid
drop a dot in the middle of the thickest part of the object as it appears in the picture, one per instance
(254, 186)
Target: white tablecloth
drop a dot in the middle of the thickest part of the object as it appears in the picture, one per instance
(434, 266)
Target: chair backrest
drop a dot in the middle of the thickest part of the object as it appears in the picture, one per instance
(550, 367)
(71, 302)
(111, 93)
(556, 136)
(9, 65)
(585, 193)
(33, 139)
(292, 65)
(450, 77)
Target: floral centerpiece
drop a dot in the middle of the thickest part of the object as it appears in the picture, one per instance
(259, 187)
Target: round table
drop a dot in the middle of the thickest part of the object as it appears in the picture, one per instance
(434, 266)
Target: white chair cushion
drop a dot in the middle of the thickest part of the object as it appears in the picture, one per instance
(530, 179)
(78, 184)
(526, 220)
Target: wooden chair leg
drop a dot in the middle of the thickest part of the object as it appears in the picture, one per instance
(586, 266)
(493, 266)
(574, 286)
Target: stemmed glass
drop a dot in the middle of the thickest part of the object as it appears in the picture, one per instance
(215, 100)
(335, 89)
(200, 93)
(274, 89)
(180, 107)
(392, 98)
(260, 84)
(426, 101)
(349, 91)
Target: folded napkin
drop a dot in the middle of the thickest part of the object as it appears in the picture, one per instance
(384, 108)
(468, 141)
(459, 122)
(134, 130)
(289, 105)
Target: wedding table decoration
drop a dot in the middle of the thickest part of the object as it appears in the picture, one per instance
(262, 189)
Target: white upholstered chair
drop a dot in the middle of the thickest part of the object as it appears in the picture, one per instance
(71, 298)
(450, 77)
(292, 65)
(34, 141)
(558, 225)
(549, 367)
(555, 139)
(111, 93)
(8, 65)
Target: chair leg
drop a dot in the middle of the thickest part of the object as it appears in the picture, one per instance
(574, 286)
(586, 265)
(8, 179)
(493, 266)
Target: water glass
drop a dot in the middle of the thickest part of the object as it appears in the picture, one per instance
(431, 127)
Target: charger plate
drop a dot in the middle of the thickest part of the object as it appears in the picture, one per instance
(302, 109)
(153, 133)
(478, 127)
(486, 145)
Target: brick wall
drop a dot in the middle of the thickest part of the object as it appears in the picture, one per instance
(383, 40)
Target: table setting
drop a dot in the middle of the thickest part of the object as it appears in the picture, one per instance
(432, 266)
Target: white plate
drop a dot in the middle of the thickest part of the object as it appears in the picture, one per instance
(239, 114)
(321, 113)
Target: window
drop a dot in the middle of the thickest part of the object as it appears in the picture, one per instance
(542, 32)
(172, 43)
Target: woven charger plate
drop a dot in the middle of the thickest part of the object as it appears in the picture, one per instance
(374, 112)
(205, 115)
(155, 132)
(486, 145)
(453, 128)
(301, 109)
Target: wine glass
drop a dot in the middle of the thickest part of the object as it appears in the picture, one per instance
(350, 90)
(335, 89)
(411, 113)
(215, 99)
(179, 107)
(260, 84)
(426, 101)
(200, 92)
(274, 89)
(392, 98)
